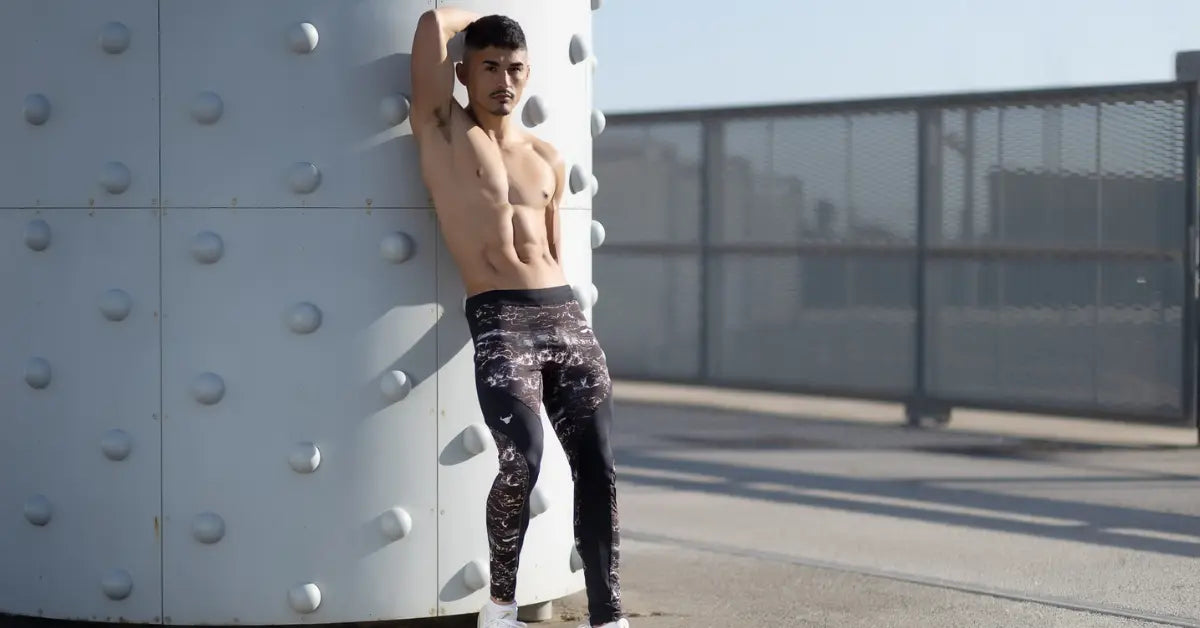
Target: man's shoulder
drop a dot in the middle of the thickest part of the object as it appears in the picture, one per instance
(546, 150)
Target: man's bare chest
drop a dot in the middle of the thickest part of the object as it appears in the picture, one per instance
(517, 175)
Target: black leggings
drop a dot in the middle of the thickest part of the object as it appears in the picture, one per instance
(535, 347)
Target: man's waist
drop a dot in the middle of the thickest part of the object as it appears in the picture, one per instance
(531, 296)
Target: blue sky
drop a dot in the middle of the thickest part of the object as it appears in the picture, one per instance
(660, 54)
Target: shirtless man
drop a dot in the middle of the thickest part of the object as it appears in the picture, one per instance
(497, 191)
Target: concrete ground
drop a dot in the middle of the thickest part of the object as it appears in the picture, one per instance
(750, 509)
(764, 510)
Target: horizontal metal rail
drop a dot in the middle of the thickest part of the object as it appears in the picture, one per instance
(817, 249)
(1075, 95)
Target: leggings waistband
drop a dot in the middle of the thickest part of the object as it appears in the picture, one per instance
(554, 295)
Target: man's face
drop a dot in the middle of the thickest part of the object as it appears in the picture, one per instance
(495, 78)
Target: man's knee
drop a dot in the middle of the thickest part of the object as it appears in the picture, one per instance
(520, 462)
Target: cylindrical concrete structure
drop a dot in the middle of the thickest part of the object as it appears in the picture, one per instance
(236, 382)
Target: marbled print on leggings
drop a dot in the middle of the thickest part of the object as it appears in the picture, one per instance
(505, 503)
(515, 345)
(535, 353)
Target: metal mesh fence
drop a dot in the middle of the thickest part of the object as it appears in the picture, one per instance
(779, 248)
(812, 244)
(1055, 272)
(653, 188)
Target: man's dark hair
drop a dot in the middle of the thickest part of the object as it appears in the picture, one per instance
(494, 30)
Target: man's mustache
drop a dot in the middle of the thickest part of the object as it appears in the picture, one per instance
(504, 92)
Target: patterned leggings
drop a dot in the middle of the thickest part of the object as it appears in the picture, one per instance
(535, 347)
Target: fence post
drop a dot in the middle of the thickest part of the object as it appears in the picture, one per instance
(915, 407)
(920, 406)
(711, 151)
(1187, 71)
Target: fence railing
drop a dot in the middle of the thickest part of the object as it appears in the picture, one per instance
(1027, 251)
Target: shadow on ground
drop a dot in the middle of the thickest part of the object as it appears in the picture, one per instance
(684, 450)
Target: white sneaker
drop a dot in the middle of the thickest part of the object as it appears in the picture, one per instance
(620, 623)
(492, 615)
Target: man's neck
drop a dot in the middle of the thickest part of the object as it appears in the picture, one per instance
(499, 128)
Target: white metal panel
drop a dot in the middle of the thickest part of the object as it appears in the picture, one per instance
(80, 85)
(465, 473)
(560, 88)
(242, 292)
(79, 455)
(246, 116)
(313, 374)
(466, 454)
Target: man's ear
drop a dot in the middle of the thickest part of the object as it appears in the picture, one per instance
(460, 70)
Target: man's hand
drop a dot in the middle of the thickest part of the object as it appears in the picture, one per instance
(432, 67)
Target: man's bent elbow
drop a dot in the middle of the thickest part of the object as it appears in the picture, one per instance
(427, 27)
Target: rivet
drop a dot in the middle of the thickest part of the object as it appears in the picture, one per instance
(303, 38)
(304, 318)
(578, 179)
(304, 458)
(207, 247)
(579, 49)
(597, 234)
(539, 501)
(304, 177)
(38, 510)
(304, 598)
(207, 108)
(116, 584)
(114, 38)
(116, 304)
(37, 109)
(395, 523)
(474, 439)
(476, 575)
(37, 235)
(208, 388)
(37, 373)
(115, 177)
(397, 247)
(534, 112)
(394, 109)
(599, 122)
(116, 444)
(395, 385)
(208, 528)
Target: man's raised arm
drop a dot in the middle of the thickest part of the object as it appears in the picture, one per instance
(432, 68)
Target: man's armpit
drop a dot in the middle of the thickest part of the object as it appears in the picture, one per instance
(441, 120)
